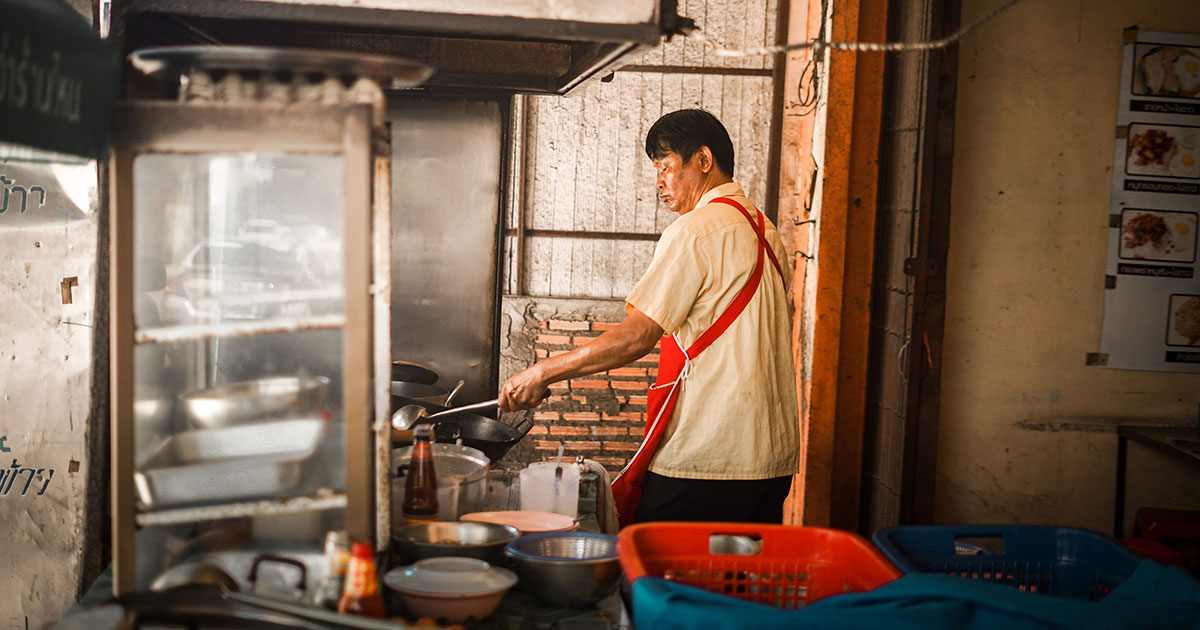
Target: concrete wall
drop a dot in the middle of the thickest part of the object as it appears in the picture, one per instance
(1026, 429)
(45, 381)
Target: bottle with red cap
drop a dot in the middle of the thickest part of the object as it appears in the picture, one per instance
(361, 595)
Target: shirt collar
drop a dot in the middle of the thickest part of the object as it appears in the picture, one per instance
(728, 189)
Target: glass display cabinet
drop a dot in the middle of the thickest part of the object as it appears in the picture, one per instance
(249, 265)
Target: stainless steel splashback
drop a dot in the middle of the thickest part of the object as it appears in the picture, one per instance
(446, 170)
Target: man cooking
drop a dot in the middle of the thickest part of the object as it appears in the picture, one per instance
(722, 435)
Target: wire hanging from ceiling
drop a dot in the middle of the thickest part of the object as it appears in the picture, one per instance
(819, 44)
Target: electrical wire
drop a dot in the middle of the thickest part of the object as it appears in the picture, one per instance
(819, 44)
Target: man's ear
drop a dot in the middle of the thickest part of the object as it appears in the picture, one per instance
(705, 159)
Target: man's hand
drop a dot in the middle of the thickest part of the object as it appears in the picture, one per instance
(525, 390)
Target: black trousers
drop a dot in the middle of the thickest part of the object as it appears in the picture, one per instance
(734, 500)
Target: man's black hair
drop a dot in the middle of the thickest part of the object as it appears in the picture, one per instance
(685, 131)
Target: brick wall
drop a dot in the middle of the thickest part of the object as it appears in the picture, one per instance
(601, 416)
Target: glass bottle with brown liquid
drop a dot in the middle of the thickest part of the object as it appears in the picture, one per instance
(361, 595)
(420, 485)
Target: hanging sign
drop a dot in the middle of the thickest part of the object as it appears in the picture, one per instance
(1152, 296)
(58, 79)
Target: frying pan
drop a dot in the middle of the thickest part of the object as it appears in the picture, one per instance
(492, 437)
(410, 372)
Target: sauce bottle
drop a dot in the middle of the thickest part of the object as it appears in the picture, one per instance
(420, 486)
(361, 596)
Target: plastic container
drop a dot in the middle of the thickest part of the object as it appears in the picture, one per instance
(1153, 550)
(1060, 561)
(779, 565)
(542, 491)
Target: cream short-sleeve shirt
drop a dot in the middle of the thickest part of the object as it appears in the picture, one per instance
(736, 416)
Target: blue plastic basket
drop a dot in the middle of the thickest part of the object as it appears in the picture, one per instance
(1061, 561)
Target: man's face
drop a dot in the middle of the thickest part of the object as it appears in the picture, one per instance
(679, 182)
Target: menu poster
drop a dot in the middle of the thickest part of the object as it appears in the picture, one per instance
(1152, 296)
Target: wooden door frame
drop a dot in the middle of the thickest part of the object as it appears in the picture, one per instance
(831, 348)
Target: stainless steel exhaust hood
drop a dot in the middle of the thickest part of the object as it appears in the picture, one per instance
(531, 46)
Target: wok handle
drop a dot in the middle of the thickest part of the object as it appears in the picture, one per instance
(405, 435)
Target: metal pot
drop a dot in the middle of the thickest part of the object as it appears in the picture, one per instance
(461, 477)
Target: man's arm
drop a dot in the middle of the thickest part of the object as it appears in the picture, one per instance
(629, 341)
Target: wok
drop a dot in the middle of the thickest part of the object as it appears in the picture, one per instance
(492, 437)
(413, 373)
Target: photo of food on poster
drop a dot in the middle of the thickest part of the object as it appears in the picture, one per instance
(1163, 151)
(1166, 70)
(1151, 318)
(1184, 325)
(1158, 235)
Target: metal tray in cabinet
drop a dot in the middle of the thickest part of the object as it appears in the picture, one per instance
(254, 460)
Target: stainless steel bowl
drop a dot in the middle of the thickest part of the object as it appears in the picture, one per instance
(572, 569)
(483, 541)
(268, 398)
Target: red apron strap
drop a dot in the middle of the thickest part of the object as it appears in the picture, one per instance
(759, 230)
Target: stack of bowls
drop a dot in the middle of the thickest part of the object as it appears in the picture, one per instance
(450, 589)
(571, 569)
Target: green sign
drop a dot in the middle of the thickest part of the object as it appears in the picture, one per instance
(58, 79)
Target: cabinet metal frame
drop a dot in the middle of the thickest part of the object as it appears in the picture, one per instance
(162, 127)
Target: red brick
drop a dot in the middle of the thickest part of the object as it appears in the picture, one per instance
(537, 430)
(552, 340)
(632, 415)
(546, 444)
(542, 416)
(628, 385)
(588, 384)
(602, 326)
(609, 431)
(562, 324)
(584, 446)
(621, 446)
(566, 430)
(579, 340)
(637, 400)
(612, 464)
(627, 371)
(638, 431)
(581, 416)
(612, 417)
(541, 354)
(652, 372)
(555, 353)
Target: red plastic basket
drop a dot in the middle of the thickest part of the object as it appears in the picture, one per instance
(780, 565)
